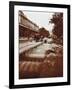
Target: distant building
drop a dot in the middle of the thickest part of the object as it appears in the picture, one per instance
(26, 27)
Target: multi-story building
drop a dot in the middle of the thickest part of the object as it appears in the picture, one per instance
(27, 28)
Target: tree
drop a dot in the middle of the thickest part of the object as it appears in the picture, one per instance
(58, 24)
(43, 32)
(58, 27)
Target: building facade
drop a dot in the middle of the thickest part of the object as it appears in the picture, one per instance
(26, 27)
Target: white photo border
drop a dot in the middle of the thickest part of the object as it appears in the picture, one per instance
(18, 81)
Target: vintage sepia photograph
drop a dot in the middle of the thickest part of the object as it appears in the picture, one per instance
(40, 44)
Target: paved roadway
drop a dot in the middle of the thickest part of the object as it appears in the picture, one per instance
(40, 51)
(23, 47)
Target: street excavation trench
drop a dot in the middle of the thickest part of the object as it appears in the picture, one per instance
(45, 60)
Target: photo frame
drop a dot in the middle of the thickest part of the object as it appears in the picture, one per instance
(39, 44)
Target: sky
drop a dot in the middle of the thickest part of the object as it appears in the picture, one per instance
(41, 19)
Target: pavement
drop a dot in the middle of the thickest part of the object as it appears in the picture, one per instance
(39, 52)
(38, 49)
(28, 45)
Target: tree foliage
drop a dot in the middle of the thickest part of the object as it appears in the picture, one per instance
(58, 24)
(43, 32)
